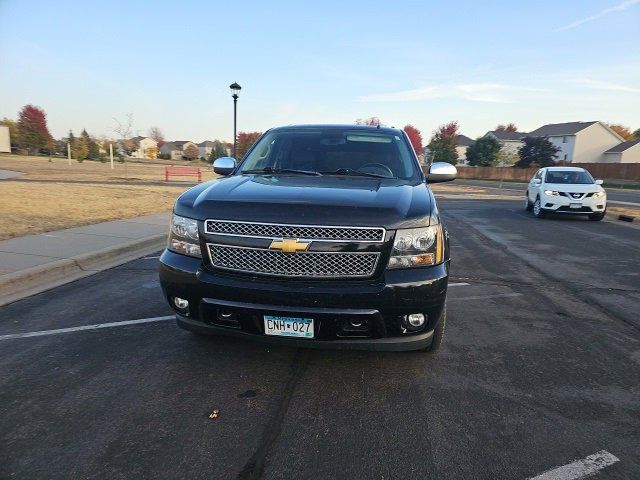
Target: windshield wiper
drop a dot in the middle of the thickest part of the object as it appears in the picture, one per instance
(355, 173)
(271, 170)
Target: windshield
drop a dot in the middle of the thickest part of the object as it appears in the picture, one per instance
(332, 152)
(569, 176)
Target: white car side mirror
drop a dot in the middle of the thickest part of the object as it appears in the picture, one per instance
(536, 181)
(599, 182)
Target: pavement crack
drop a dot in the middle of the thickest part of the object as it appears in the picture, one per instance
(254, 467)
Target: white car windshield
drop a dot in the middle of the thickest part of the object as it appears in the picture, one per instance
(569, 176)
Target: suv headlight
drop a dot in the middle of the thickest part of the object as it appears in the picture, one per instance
(551, 193)
(417, 247)
(183, 236)
(598, 195)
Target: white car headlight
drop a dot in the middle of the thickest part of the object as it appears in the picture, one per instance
(551, 193)
(417, 247)
(183, 237)
(599, 195)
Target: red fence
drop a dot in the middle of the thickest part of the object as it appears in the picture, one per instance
(606, 171)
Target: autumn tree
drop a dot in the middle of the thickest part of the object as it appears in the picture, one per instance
(621, 130)
(82, 146)
(442, 147)
(156, 134)
(538, 150)
(415, 137)
(218, 150)
(484, 152)
(245, 141)
(191, 152)
(32, 129)
(509, 127)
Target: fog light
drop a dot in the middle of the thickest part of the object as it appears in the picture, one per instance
(180, 303)
(415, 319)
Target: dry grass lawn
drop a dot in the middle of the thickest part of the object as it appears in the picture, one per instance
(51, 200)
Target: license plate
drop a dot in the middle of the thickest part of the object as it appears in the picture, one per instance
(575, 205)
(288, 326)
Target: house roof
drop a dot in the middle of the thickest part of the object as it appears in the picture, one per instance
(464, 141)
(180, 143)
(206, 143)
(507, 136)
(621, 147)
(170, 146)
(557, 129)
(137, 139)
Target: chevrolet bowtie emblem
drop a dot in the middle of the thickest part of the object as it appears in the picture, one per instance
(290, 245)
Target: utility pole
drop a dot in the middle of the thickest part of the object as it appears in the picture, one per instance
(111, 153)
(69, 153)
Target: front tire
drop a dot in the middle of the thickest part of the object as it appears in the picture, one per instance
(596, 217)
(527, 203)
(438, 333)
(537, 209)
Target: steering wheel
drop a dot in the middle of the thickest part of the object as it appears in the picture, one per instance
(376, 166)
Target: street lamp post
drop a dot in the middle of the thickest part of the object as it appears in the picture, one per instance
(235, 91)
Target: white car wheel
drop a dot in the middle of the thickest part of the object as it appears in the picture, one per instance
(537, 209)
(527, 202)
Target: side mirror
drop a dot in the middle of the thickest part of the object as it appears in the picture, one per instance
(536, 181)
(224, 165)
(599, 182)
(441, 172)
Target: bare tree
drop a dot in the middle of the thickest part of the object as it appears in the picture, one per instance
(123, 130)
(156, 134)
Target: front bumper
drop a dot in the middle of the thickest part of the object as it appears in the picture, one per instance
(381, 303)
(563, 204)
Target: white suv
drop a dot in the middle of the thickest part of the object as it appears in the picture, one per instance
(566, 190)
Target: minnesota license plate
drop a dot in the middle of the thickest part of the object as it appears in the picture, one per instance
(575, 205)
(288, 326)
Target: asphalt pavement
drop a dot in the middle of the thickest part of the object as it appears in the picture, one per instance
(539, 368)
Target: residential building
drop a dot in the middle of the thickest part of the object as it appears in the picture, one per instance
(205, 148)
(580, 142)
(625, 152)
(145, 147)
(5, 140)
(462, 143)
(510, 142)
(176, 148)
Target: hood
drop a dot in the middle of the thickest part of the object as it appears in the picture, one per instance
(326, 200)
(573, 187)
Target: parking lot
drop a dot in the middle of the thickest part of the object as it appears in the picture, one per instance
(539, 367)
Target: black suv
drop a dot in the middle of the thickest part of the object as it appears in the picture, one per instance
(323, 236)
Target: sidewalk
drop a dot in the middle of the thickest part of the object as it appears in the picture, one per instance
(37, 262)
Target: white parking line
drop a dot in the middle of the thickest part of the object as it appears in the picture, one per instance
(482, 297)
(458, 284)
(97, 326)
(583, 468)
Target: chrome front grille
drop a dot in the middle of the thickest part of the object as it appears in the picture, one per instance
(306, 232)
(300, 265)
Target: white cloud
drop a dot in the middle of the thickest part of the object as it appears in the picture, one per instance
(618, 8)
(477, 92)
(611, 87)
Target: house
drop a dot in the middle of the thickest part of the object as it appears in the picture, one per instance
(625, 152)
(580, 142)
(145, 147)
(462, 142)
(171, 150)
(205, 148)
(175, 149)
(510, 141)
(5, 141)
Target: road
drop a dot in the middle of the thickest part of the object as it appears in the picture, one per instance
(613, 194)
(540, 367)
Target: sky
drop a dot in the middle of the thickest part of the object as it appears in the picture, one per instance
(169, 64)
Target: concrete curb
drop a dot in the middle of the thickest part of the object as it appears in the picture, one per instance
(18, 285)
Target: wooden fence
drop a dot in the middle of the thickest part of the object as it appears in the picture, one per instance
(605, 171)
